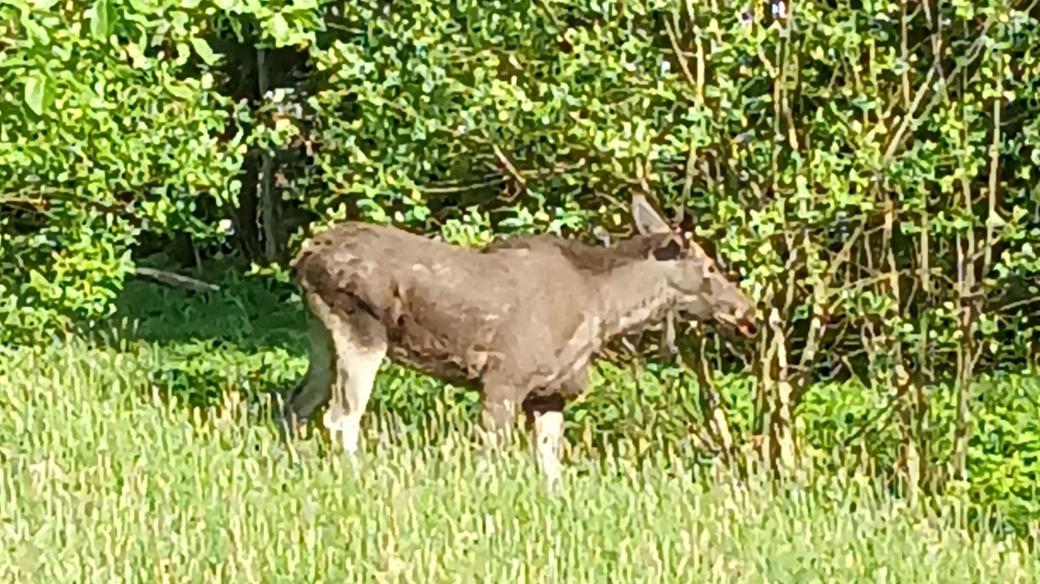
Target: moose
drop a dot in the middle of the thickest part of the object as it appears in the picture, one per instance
(520, 320)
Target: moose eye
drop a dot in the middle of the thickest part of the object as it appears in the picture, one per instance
(711, 269)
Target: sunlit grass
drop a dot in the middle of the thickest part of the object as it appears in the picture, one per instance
(106, 480)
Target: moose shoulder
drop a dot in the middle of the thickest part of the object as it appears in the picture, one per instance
(519, 320)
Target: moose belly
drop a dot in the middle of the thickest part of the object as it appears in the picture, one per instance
(569, 381)
(455, 358)
(442, 367)
(445, 342)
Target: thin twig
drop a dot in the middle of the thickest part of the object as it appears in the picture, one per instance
(994, 170)
(1019, 303)
(908, 119)
(462, 188)
(681, 57)
(490, 180)
(973, 53)
(176, 280)
(508, 164)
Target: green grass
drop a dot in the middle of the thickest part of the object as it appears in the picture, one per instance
(105, 478)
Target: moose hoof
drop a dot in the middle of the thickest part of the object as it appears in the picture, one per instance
(347, 429)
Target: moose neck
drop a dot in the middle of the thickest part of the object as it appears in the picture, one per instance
(633, 296)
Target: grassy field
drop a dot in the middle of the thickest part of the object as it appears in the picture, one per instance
(106, 479)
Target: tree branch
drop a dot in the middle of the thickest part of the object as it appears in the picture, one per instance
(176, 280)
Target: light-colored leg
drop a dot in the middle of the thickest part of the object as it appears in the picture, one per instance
(548, 427)
(497, 418)
(360, 345)
(545, 413)
(350, 397)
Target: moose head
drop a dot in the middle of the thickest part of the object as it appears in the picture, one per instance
(703, 291)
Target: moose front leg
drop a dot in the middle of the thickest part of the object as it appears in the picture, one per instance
(497, 414)
(498, 410)
(545, 413)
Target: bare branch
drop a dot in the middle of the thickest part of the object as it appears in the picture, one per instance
(176, 280)
(508, 165)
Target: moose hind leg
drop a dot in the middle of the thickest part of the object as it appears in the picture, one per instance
(498, 408)
(314, 389)
(360, 344)
(545, 413)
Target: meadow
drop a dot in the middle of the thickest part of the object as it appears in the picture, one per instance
(135, 457)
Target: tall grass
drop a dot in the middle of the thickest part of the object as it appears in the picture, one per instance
(106, 480)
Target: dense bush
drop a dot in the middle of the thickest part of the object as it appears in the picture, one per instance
(109, 132)
(867, 171)
(843, 160)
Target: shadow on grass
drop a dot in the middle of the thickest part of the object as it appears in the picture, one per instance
(249, 337)
(251, 311)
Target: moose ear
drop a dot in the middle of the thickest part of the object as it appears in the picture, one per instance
(646, 218)
(670, 250)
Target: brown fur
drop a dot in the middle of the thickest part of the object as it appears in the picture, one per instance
(520, 319)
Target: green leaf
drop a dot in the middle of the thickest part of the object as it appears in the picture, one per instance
(279, 28)
(203, 50)
(37, 93)
(101, 19)
(142, 6)
(179, 90)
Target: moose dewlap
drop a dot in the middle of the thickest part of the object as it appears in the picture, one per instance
(519, 320)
